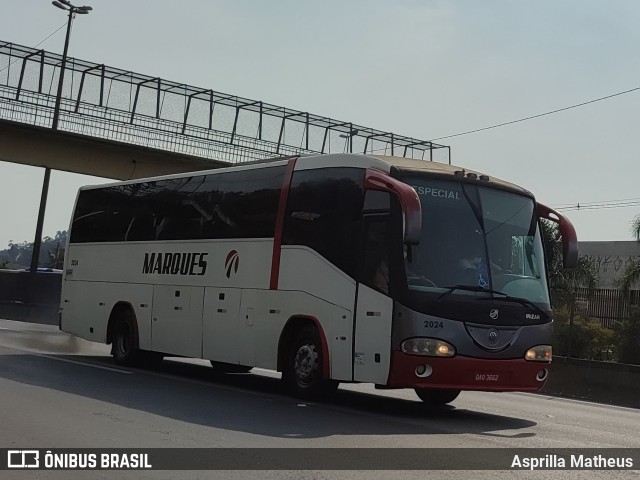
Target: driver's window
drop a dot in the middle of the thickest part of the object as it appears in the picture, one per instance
(521, 256)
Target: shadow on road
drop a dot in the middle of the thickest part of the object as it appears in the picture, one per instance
(247, 402)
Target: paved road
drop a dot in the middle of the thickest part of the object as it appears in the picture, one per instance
(60, 391)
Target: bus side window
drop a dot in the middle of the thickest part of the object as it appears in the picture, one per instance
(375, 253)
(376, 242)
(324, 213)
(141, 228)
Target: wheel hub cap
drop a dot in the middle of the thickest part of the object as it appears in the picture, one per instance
(306, 362)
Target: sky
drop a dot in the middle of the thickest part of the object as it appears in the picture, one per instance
(420, 68)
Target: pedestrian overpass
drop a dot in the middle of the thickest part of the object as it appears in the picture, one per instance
(118, 124)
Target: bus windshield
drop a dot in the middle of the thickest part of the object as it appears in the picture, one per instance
(477, 243)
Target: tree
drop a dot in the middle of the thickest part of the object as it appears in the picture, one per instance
(635, 227)
(628, 338)
(629, 329)
(565, 282)
(631, 273)
(51, 253)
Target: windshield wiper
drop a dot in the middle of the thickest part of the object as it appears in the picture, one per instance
(504, 297)
(467, 288)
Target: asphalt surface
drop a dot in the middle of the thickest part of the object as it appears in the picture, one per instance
(57, 391)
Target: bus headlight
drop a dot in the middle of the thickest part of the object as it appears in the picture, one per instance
(428, 346)
(539, 353)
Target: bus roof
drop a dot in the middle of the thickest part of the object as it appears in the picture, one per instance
(307, 162)
(444, 169)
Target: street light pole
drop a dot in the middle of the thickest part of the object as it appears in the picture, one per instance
(56, 109)
(37, 243)
(72, 9)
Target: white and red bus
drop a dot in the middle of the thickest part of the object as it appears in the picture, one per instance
(334, 268)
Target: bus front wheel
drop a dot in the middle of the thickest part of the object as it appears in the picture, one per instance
(302, 373)
(435, 396)
(124, 345)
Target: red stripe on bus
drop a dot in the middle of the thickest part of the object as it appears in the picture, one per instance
(277, 240)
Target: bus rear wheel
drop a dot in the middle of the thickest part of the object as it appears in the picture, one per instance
(436, 396)
(124, 344)
(303, 371)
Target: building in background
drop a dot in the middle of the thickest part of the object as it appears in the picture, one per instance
(608, 303)
(611, 259)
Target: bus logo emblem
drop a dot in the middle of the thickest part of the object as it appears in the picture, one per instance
(493, 336)
(232, 262)
(494, 313)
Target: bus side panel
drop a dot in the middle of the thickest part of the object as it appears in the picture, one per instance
(140, 298)
(88, 305)
(176, 325)
(221, 324)
(319, 289)
(249, 340)
(372, 357)
(275, 308)
(232, 263)
(83, 311)
(301, 268)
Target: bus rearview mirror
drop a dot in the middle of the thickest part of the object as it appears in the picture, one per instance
(406, 195)
(567, 231)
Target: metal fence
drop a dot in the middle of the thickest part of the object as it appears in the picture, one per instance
(607, 305)
(123, 106)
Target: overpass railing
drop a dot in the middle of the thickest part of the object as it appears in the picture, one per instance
(114, 104)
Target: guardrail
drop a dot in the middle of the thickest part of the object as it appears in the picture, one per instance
(41, 289)
(602, 382)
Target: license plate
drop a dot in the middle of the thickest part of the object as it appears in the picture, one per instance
(487, 377)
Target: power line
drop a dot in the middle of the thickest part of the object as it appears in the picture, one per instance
(561, 205)
(631, 202)
(51, 35)
(580, 208)
(537, 116)
(39, 43)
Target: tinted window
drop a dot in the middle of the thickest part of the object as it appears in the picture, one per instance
(324, 213)
(103, 214)
(375, 252)
(241, 204)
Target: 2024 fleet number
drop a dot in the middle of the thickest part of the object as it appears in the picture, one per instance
(433, 324)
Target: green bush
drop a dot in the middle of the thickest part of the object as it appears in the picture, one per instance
(628, 338)
(589, 339)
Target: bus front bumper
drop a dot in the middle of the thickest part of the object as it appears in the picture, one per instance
(466, 373)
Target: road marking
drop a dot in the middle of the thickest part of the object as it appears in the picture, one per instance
(76, 362)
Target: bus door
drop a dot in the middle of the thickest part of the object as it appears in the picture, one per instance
(374, 307)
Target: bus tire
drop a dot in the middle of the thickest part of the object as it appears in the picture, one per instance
(302, 373)
(222, 367)
(436, 396)
(124, 345)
